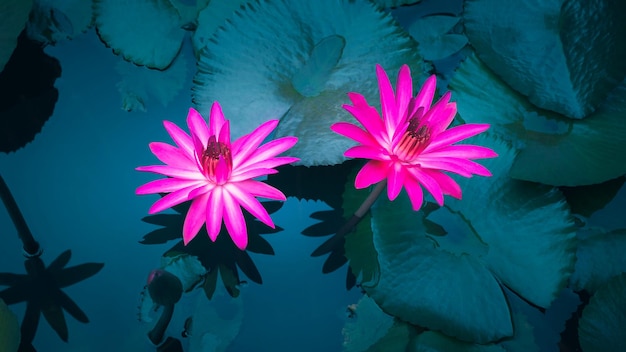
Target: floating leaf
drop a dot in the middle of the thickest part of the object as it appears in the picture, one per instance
(145, 32)
(13, 17)
(601, 327)
(186, 267)
(258, 62)
(52, 21)
(433, 34)
(553, 150)
(370, 329)
(140, 83)
(565, 55)
(586, 200)
(210, 19)
(395, 3)
(600, 256)
(9, 329)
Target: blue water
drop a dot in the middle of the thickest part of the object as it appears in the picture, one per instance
(75, 186)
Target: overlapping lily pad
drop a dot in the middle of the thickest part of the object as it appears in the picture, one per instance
(436, 37)
(602, 324)
(52, 21)
(553, 149)
(296, 60)
(211, 18)
(145, 32)
(516, 234)
(565, 55)
(13, 17)
(600, 256)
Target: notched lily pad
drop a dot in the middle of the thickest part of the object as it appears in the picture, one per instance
(553, 149)
(565, 55)
(436, 37)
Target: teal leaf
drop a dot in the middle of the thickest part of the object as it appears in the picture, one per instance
(600, 256)
(421, 284)
(601, 327)
(586, 200)
(144, 32)
(431, 341)
(565, 55)
(13, 16)
(9, 329)
(295, 61)
(549, 145)
(527, 228)
(395, 3)
(370, 329)
(435, 37)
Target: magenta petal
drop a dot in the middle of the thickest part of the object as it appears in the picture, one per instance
(464, 151)
(354, 132)
(372, 172)
(235, 222)
(260, 189)
(366, 152)
(224, 136)
(166, 185)
(428, 182)
(250, 203)
(444, 117)
(171, 200)
(456, 134)
(214, 211)
(198, 128)
(244, 146)
(395, 180)
(404, 93)
(387, 99)
(447, 184)
(252, 173)
(264, 164)
(444, 165)
(180, 137)
(172, 172)
(195, 218)
(172, 156)
(216, 120)
(425, 96)
(222, 171)
(266, 151)
(414, 190)
(367, 116)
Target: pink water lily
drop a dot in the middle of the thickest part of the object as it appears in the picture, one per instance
(411, 145)
(217, 176)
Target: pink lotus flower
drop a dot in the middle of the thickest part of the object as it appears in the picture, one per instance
(216, 175)
(411, 145)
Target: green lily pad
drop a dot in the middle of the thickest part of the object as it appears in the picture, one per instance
(210, 18)
(527, 227)
(370, 330)
(144, 32)
(295, 61)
(565, 55)
(435, 37)
(9, 329)
(600, 256)
(601, 327)
(13, 17)
(553, 149)
(521, 236)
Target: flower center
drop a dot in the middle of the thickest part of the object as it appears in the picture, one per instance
(415, 138)
(217, 160)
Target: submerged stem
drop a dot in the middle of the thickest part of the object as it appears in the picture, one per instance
(30, 246)
(363, 209)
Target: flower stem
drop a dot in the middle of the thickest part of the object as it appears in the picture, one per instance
(363, 209)
(30, 246)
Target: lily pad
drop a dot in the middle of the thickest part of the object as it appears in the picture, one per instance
(553, 149)
(395, 3)
(9, 329)
(210, 19)
(370, 329)
(52, 21)
(526, 243)
(145, 32)
(140, 83)
(565, 55)
(601, 327)
(436, 37)
(600, 256)
(13, 17)
(296, 60)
